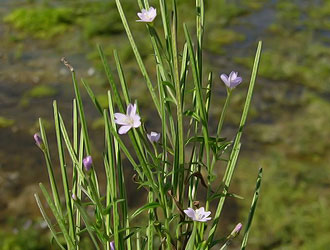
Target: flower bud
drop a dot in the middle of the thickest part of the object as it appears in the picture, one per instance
(236, 230)
(112, 245)
(88, 162)
(74, 197)
(38, 140)
(153, 137)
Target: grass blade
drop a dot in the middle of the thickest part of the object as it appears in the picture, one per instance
(111, 80)
(122, 78)
(47, 220)
(252, 210)
(148, 206)
(58, 217)
(63, 171)
(112, 181)
(50, 171)
(86, 220)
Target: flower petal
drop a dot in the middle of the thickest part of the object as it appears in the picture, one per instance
(137, 124)
(153, 12)
(124, 129)
(129, 109)
(236, 82)
(136, 121)
(224, 78)
(121, 119)
(204, 219)
(207, 214)
(231, 76)
(190, 213)
(153, 136)
(200, 210)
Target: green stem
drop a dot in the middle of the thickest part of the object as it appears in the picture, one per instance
(50, 171)
(223, 112)
(191, 241)
(220, 124)
(64, 173)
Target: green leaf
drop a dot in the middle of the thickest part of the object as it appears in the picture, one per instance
(191, 241)
(252, 210)
(60, 220)
(150, 205)
(200, 139)
(90, 228)
(168, 84)
(48, 221)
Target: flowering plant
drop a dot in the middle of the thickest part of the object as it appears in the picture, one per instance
(171, 164)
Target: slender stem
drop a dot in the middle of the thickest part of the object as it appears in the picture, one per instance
(150, 228)
(223, 112)
(64, 173)
(50, 171)
(220, 124)
(252, 210)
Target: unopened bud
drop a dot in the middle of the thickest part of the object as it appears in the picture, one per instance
(88, 162)
(236, 230)
(74, 197)
(112, 245)
(38, 140)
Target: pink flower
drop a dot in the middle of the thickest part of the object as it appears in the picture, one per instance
(88, 162)
(232, 80)
(153, 137)
(147, 16)
(198, 215)
(128, 121)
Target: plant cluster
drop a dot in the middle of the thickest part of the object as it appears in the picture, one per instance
(172, 164)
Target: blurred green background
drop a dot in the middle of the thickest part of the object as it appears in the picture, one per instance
(287, 134)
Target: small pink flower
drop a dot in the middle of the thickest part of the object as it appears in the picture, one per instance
(153, 137)
(198, 215)
(88, 162)
(147, 16)
(128, 121)
(232, 80)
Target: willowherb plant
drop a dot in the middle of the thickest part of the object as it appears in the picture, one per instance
(171, 164)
